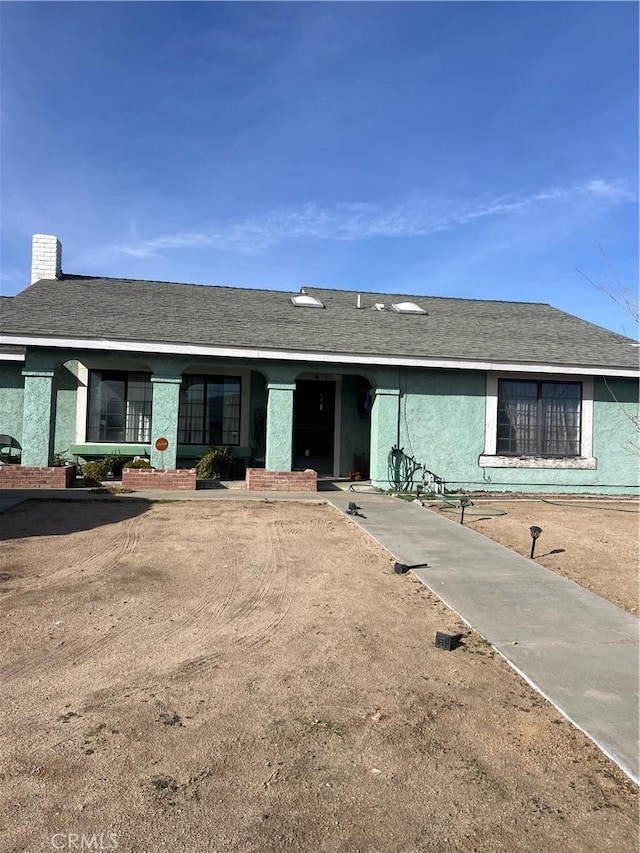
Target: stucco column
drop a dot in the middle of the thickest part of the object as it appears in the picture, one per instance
(164, 419)
(279, 426)
(384, 433)
(37, 418)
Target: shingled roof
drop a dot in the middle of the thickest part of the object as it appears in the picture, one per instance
(76, 307)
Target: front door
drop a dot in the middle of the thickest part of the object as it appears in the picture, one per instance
(314, 406)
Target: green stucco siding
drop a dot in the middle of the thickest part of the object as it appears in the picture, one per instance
(616, 433)
(385, 422)
(437, 416)
(442, 415)
(38, 414)
(66, 392)
(164, 419)
(442, 426)
(355, 425)
(11, 399)
(279, 427)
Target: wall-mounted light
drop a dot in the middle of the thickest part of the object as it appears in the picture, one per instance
(535, 532)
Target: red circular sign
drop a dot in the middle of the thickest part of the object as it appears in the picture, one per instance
(162, 444)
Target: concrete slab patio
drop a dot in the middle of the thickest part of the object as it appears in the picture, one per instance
(575, 648)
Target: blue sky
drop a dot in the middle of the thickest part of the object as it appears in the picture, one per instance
(484, 150)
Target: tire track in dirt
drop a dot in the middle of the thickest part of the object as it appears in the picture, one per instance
(282, 554)
(279, 575)
(208, 615)
(215, 601)
(244, 610)
(78, 650)
(265, 579)
(89, 561)
(214, 611)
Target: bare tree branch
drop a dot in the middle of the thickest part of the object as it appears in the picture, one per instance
(616, 291)
(628, 301)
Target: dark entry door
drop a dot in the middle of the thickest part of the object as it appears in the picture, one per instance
(313, 425)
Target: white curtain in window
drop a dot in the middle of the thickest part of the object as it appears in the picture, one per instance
(560, 419)
(519, 400)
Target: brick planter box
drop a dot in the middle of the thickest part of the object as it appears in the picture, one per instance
(173, 479)
(32, 477)
(259, 480)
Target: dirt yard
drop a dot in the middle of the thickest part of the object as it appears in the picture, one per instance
(594, 543)
(252, 676)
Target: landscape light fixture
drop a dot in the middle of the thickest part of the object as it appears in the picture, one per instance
(535, 534)
(464, 503)
(353, 509)
(448, 642)
(403, 568)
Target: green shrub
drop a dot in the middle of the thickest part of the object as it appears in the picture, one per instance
(100, 469)
(59, 459)
(216, 462)
(97, 471)
(116, 464)
(137, 463)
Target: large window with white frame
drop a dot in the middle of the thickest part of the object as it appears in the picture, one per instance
(119, 407)
(210, 410)
(538, 418)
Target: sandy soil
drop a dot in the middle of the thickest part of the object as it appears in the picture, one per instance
(253, 677)
(594, 543)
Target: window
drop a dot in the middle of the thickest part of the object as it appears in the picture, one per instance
(539, 418)
(119, 406)
(209, 410)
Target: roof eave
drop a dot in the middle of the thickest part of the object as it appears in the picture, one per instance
(266, 353)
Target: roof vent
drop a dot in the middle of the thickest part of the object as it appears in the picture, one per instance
(303, 300)
(378, 306)
(407, 308)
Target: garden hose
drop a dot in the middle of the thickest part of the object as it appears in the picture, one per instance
(586, 506)
(365, 488)
(450, 506)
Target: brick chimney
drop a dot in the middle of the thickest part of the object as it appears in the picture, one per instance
(46, 257)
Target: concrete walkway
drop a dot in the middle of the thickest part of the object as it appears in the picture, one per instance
(576, 649)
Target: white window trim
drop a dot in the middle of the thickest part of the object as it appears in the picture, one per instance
(82, 401)
(82, 397)
(489, 459)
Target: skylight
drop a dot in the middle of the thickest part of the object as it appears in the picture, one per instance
(407, 308)
(303, 300)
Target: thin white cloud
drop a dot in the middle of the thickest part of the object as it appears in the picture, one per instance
(361, 221)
